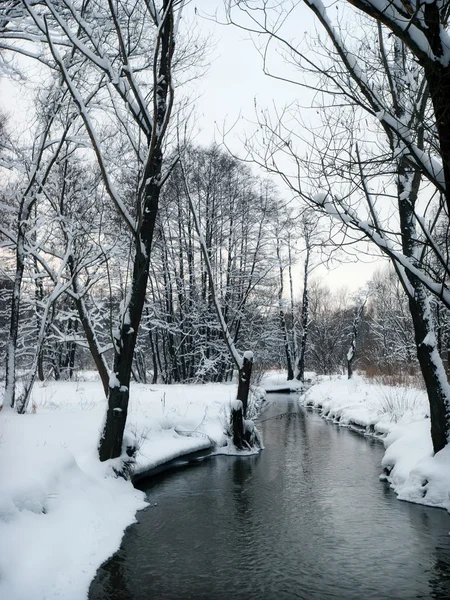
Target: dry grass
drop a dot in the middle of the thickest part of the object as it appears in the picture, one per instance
(397, 401)
(395, 376)
(398, 389)
(258, 372)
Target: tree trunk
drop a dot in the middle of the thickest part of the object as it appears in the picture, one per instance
(155, 362)
(431, 366)
(438, 79)
(119, 382)
(427, 353)
(39, 298)
(351, 354)
(10, 383)
(239, 412)
(73, 351)
(88, 329)
(300, 375)
(245, 374)
(282, 318)
(293, 319)
(111, 439)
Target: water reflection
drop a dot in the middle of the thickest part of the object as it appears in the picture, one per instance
(440, 576)
(307, 518)
(113, 580)
(242, 473)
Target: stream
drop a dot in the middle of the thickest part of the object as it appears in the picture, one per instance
(308, 518)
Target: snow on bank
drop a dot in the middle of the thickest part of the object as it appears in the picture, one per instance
(399, 416)
(62, 512)
(275, 381)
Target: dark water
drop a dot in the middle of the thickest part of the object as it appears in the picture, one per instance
(307, 518)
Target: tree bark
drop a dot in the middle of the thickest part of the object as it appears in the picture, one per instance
(243, 364)
(438, 78)
(428, 356)
(88, 329)
(239, 413)
(110, 445)
(431, 366)
(119, 383)
(10, 383)
(282, 318)
(304, 318)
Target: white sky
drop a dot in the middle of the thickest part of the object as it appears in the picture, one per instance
(226, 96)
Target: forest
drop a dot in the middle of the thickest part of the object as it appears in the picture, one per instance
(131, 250)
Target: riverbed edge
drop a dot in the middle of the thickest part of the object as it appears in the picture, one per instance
(414, 473)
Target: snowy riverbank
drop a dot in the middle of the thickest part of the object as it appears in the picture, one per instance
(62, 512)
(400, 417)
(274, 382)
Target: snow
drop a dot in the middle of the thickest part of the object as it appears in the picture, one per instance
(400, 418)
(62, 512)
(236, 405)
(429, 339)
(275, 380)
(113, 380)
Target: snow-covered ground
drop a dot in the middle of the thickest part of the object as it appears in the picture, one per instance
(275, 381)
(62, 512)
(399, 416)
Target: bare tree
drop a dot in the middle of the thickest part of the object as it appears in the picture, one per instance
(308, 232)
(243, 436)
(394, 88)
(38, 175)
(351, 354)
(281, 311)
(116, 54)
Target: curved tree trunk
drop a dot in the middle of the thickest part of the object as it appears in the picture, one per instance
(111, 439)
(110, 445)
(430, 362)
(431, 366)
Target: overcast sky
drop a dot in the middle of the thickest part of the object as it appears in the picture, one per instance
(226, 96)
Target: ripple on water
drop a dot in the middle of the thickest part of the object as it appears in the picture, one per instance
(307, 519)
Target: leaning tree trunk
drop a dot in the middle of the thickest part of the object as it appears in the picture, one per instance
(88, 328)
(431, 366)
(111, 439)
(244, 364)
(430, 362)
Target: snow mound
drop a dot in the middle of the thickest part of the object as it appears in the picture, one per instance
(62, 512)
